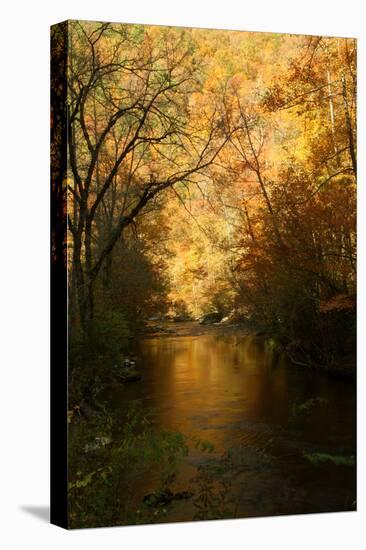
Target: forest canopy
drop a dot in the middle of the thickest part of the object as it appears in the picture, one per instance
(211, 171)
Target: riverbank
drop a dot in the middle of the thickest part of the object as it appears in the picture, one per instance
(154, 329)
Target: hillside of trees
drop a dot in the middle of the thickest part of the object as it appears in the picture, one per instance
(212, 171)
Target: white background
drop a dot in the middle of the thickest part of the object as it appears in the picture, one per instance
(24, 286)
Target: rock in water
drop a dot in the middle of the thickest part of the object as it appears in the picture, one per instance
(129, 363)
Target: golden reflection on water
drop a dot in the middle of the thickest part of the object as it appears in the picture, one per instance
(237, 391)
(206, 383)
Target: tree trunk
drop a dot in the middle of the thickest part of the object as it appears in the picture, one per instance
(351, 143)
(331, 112)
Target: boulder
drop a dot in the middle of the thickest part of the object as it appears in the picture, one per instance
(225, 320)
(129, 362)
(210, 318)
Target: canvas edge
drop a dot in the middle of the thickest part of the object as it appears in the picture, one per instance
(58, 242)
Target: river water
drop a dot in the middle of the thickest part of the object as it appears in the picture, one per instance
(237, 392)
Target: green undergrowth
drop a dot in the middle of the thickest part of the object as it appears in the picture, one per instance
(317, 459)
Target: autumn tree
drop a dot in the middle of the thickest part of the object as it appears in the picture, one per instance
(130, 134)
(212, 171)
